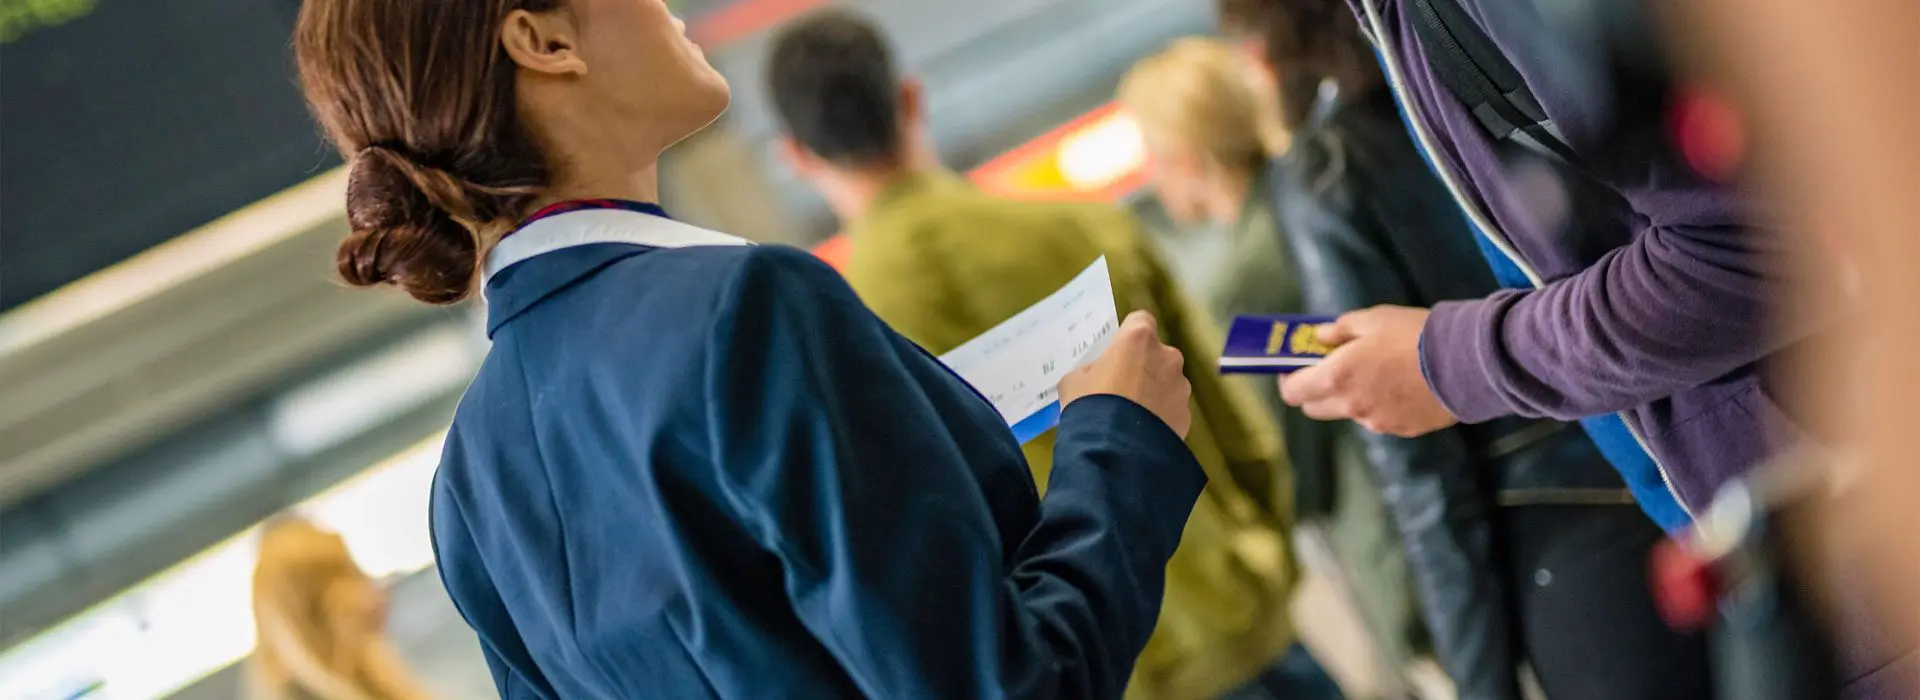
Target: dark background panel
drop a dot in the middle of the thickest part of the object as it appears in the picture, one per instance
(136, 122)
(124, 123)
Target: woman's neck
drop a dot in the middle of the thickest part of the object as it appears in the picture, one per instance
(592, 153)
(637, 184)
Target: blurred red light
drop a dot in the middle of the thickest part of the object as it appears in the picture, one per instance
(1709, 132)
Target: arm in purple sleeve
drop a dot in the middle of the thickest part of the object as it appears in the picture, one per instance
(1685, 301)
(1677, 307)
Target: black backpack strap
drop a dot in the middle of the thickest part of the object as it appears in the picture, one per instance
(1473, 69)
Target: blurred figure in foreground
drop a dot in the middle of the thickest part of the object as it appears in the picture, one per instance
(941, 263)
(1524, 543)
(320, 622)
(1829, 137)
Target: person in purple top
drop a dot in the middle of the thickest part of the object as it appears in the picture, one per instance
(1641, 289)
(1637, 289)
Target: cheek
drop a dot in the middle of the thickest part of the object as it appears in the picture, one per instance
(633, 37)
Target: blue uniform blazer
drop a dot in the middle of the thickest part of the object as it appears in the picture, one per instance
(698, 470)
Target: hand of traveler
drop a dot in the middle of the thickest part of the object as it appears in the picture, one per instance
(1139, 368)
(1373, 375)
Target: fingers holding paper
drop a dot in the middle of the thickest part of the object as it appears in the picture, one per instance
(1139, 368)
(1373, 375)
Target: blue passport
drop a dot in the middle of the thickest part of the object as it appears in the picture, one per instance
(1273, 344)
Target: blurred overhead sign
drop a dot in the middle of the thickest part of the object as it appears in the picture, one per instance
(126, 122)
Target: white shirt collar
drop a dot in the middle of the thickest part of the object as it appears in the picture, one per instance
(598, 226)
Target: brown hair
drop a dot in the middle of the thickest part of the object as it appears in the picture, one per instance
(419, 96)
(1306, 41)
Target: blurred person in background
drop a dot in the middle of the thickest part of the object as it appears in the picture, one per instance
(320, 622)
(1524, 542)
(691, 467)
(1828, 137)
(941, 263)
(1213, 133)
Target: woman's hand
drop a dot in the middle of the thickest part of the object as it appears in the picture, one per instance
(1139, 368)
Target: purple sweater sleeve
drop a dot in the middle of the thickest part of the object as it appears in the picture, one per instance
(1676, 307)
(1679, 298)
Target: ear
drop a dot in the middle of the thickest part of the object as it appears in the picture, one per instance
(802, 161)
(543, 42)
(911, 102)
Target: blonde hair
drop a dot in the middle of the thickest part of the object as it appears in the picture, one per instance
(303, 585)
(1198, 95)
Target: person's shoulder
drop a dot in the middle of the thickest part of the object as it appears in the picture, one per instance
(1031, 222)
(931, 217)
(782, 265)
(964, 211)
(1110, 228)
(969, 233)
(1098, 212)
(660, 310)
(948, 227)
(765, 276)
(1082, 213)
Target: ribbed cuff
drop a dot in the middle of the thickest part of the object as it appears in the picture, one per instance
(1458, 352)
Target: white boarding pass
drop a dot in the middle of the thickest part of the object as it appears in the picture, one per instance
(1018, 364)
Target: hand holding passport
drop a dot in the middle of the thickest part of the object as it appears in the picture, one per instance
(1375, 379)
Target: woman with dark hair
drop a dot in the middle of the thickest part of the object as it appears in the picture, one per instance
(1525, 543)
(692, 467)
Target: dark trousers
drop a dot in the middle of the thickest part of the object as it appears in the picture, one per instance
(1578, 577)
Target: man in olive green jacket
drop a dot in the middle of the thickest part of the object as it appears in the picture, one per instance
(942, 262)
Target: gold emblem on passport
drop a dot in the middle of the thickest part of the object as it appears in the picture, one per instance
(1304, 339)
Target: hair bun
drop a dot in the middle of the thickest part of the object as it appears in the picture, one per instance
(412, 227)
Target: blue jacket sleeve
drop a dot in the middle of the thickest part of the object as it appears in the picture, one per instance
(853, 457)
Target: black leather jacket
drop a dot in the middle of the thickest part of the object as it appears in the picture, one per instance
(1367, 223)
